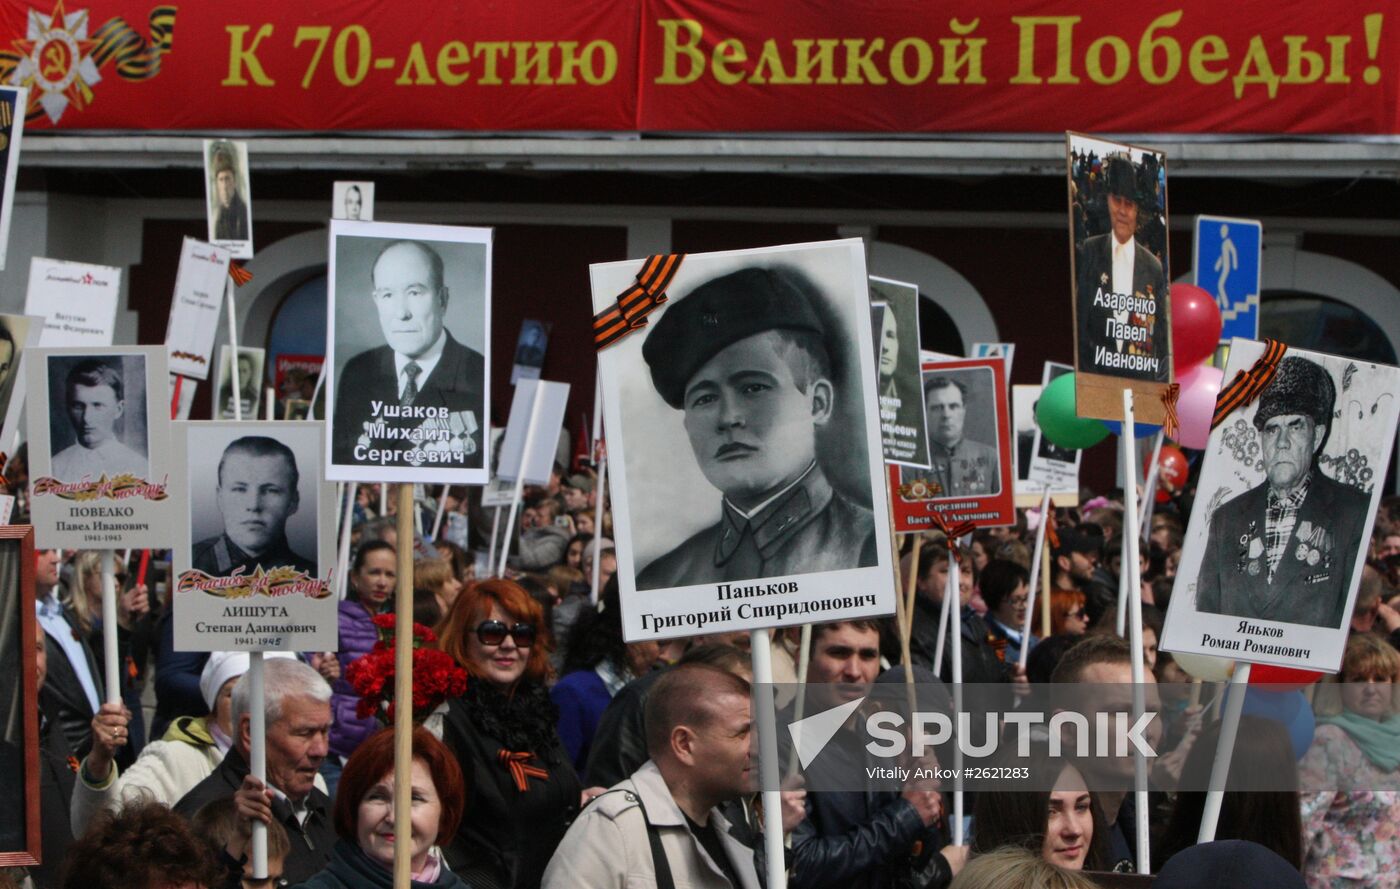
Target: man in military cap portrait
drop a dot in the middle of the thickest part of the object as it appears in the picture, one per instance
(1117, 262)
(1286, 549)
(746, 359)
(230, 210)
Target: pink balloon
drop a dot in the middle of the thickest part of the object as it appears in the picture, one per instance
(1195, 406)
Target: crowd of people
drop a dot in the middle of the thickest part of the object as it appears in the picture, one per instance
(574, 758)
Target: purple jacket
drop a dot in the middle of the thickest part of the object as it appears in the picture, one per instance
(357, 636)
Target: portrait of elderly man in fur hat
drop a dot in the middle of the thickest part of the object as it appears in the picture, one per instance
(1286, 549)
(745, 361)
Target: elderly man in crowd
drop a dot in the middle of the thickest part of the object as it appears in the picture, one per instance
(298, 730)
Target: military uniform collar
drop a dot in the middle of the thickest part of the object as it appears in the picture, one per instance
(227, 553)
(773, 523)
(939, 450)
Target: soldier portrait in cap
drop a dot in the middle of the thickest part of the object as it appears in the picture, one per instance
(749, 445)
(408, 351)
(1283, 510)
(227, 194)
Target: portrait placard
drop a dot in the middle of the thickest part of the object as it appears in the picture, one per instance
(295, 376)
(744, 441)
(903, 430)
(969, 440)
(529, 350)
(20, 637)
(250, 380)
(229, 196)
(1284, 506)
(554, 400)
(498, 491)
(77, 301)
(1023, 425)
(13, 102)
(255, 555)
(1052, 466)
(353, 201)
(101, 474)
(407, 352)
(1120, 272)
(196, 308)
(18, 334)
(1004, 351)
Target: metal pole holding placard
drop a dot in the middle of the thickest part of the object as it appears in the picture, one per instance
(495, 534)
(1224, 751)
(257, 754)
(233, 357)
(342, 561)
(955, 629)
(111, 662)
(520, 480)
(766, 712)
(1033, 586)
(1149, 487)
(1131, 581)
(403, 693)
(601, 493)
(441, 510)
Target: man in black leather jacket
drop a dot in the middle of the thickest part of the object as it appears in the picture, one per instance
(866, 839)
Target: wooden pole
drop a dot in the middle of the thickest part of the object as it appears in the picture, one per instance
(403, 694)
(1045, 593)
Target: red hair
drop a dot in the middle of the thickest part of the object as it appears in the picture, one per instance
(474, 606)
(374, 759)
(1062, 602)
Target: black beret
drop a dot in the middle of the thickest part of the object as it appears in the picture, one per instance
(1225, 864)
(1301, 387)
(718, 313)
(1122, 178)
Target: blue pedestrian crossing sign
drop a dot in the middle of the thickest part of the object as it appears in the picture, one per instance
(1228, 266)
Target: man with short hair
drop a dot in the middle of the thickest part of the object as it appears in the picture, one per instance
(298, 708)
(961, 467)
(256, 494)
(354, 201)
(1285, 550)
(665, 818)
(421, 366)
(95, 400)
(543, 542)
(1072, 568)
(744, 357)
(863, 839)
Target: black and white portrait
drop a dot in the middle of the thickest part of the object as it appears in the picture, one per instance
(741, 424)
(17, 332)
(962, 433)
(97, 417)
(229, 196)
(253, 497)
(530, 347)
(250, 378)
(1283, 511)
(903, 428)
(408, 353)
(353, 201)
(259, 530)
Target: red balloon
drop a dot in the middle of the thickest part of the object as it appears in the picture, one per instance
(1172, 471)
(1195, 326)
(1281, 678)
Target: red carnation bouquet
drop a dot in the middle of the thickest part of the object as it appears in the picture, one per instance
(436, 676)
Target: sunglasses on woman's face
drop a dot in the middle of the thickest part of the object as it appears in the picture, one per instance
(494, 632)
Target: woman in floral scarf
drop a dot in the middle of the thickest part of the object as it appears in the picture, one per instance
(1352, 827)
(522, 791)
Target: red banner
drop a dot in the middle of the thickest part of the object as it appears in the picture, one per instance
(884, 66)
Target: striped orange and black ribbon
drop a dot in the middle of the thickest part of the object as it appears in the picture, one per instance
(954, 532)
(238, 273)
(1052, 535)
(1171, 425)
(135, 58)
(520, 769)
(1247, 384)
(636, 302)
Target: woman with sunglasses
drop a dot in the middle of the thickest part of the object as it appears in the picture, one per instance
(522, 791)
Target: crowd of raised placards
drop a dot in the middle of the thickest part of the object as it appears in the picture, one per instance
(553, 753)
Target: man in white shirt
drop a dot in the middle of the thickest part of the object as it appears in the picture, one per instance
(95, 401)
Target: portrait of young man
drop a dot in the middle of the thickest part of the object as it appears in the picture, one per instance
(1286, 549)
(95, 419)
(255, 493)
(250, 373)
(409, 392)
(230, 216)
(352, 200)
(744, 361)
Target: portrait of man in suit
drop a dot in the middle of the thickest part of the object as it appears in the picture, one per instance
(1117, 276)
(422, 391)
(255, 493)
(745, 360)
(1286, 549)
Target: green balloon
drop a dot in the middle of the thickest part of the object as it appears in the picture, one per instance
(1055, 415)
